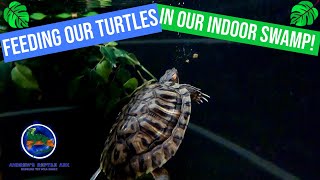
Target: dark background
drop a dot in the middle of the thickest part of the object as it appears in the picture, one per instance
(264, 100)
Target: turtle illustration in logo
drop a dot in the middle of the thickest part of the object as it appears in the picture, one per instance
(38, 141)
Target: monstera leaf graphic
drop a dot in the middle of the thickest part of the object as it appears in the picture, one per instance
(303, 14)
(16, 15)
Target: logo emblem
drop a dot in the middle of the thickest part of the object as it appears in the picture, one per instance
(38, 141)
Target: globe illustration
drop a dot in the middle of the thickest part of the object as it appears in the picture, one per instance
(38, 141)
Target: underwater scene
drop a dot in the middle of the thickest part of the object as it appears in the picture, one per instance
(168, 105)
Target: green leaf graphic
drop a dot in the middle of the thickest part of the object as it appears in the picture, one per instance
(16, 15)
(37, 16)
(303, 14)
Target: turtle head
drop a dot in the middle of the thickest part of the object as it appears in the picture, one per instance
(31, 130)
(170, 75)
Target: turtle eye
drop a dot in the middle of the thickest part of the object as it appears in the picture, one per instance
(175, 78)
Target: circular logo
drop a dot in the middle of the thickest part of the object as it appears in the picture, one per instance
(38, 141)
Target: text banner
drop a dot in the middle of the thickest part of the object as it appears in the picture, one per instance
(78, 33)
(239, 30)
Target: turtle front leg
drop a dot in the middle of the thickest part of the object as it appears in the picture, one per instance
(196, 94)
(160, 174)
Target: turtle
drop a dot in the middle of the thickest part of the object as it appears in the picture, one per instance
(149, 129)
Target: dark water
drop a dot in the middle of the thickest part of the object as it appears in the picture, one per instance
(262, 99)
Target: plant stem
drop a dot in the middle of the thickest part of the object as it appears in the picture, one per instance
(144, 80)
(144, 69)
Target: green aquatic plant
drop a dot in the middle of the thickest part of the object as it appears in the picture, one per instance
(98, 3)
(40, 16)
(119, 73)
(23, 77)
(64, 15)
(16, 15)
(304, 13)
(109, 74)
(92, 13)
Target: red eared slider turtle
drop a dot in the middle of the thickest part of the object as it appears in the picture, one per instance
(149, 129)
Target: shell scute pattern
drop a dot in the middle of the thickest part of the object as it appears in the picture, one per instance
(149, 130)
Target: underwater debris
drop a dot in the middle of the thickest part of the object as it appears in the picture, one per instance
(185, 54)
(195, 55)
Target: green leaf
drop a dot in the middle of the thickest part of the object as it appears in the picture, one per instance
(123, 75)
(104, 68)
(131, 84)
(111, 44)
(108, 53)
(125, 57)
(91, 13)
(105, 3)
(4, 76)
(74, 87)
(111, 104)
(133, 59)
(120, 52)
(63, 15)
(23, 77)
(16, 15)
(114, 90)
(101, 100)
(37, 16)
(303, 14)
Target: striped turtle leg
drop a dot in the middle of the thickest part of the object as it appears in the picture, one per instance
(196, 94)
(160, 174)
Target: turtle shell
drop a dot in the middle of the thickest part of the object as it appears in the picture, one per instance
(148, 131)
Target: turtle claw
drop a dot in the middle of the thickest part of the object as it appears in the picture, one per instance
(196, 94)
(203, 94)
(205, 99)
(201, 97)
